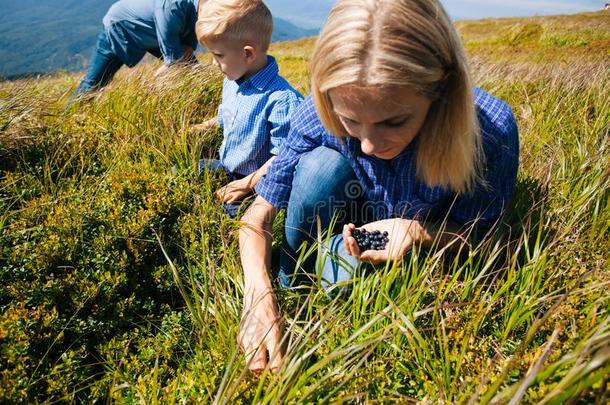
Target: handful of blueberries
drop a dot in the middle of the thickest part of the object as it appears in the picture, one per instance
(370, 240)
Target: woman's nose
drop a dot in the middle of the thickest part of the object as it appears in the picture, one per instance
(370, 143)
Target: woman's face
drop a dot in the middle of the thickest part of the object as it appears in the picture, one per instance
(384, 119)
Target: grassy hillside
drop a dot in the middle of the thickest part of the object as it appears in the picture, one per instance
(121, 279)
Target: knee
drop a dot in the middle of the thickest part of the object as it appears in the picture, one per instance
(336, 267)
(320, 180)
(322, 169)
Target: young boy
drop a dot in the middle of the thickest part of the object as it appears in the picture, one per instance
(256, 101)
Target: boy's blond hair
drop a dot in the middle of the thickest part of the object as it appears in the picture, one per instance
(411, 43)
(245, 21)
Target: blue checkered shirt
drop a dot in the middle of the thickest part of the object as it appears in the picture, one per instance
(394, 185)
(255, 117)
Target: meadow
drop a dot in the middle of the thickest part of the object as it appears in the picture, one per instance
(121, 279)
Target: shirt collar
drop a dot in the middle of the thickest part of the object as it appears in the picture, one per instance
(263, 77)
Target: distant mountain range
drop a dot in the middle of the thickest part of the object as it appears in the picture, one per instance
(47, 35)
(304, 13)
(41, 36)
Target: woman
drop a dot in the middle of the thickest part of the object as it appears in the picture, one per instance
(392, 112)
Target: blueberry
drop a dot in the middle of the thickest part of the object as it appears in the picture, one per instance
(374, 240)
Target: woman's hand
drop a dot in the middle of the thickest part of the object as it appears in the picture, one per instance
(234, 191)
(403, 234)
(260, 330)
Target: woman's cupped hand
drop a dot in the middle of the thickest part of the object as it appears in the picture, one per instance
(402, 235)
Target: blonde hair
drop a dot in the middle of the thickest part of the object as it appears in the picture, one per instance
(405, 43)
(235, 20)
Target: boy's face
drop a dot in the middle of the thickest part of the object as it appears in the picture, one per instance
(232, 59)
(385, 120)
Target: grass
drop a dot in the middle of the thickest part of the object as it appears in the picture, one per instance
(122, 281)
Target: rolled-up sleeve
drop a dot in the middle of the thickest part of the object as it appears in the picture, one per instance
(169, 20)
(219, 119)
(305, 135)
(279, 120)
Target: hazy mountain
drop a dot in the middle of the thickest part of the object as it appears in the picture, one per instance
(305, 13)
(47, 35)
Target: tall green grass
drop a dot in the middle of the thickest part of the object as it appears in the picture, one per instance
(122, 280)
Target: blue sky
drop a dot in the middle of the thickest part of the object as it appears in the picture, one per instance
(312, 13)
(504, 8)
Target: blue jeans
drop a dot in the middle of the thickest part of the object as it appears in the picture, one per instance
(105, 63)
(214, 166)
(102, 66)
(324, 187)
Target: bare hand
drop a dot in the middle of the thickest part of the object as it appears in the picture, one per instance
(187, 53)
(204, 126)
(260, 333)
(403, 234)
(161, 71)
(233, 191)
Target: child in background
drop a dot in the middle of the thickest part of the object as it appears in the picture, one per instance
(257, 102)
(163, 28)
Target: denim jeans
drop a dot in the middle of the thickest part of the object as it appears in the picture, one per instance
(102, 66)
(214, 166)
(324, 187)
(105, 63)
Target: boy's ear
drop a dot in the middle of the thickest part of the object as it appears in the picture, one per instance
(250, 53)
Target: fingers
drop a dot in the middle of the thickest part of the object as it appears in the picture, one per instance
(349, 242)
(230, 198)
(269, 351)
(256, 359)
(234, 196)
(354, 249)
(218, 194)
(347, 233)
(276, 350)
(375, 256)
(225, 195)
(260, 332)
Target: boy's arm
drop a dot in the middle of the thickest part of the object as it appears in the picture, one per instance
(215, 122)
(204, 126)
(279, 119)
(237, 189)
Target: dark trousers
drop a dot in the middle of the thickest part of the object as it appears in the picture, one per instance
(104, 64)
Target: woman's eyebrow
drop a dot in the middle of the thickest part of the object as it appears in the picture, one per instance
(393, 118)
